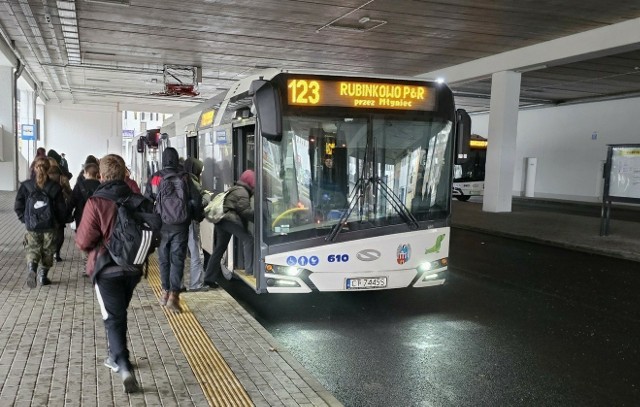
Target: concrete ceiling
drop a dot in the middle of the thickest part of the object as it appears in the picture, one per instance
(124, 45)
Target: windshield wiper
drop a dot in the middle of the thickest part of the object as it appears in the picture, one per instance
(397, 204)
(360, 190)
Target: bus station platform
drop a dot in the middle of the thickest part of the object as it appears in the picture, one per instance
(567, 224)
(52, 339)
(53, 343)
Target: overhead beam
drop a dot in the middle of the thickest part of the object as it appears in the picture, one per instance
(7, 56)
(599, 42)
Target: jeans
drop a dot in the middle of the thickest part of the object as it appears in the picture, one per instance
(114, 295)
(195, 255)
(223, 232)
(171, 255)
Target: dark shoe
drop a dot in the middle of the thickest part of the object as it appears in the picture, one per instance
(164, 298)
(111, 364)
(129, 382)
(42, 277)
(183, 289)
(212, 286)
(32, 274)
(173, 303)
(58, 258)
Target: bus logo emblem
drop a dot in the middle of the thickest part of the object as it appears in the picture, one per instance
(403, 253)
(368, 255)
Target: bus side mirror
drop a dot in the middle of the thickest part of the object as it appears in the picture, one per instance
(140, 145)
(268, 109)
(463, 136)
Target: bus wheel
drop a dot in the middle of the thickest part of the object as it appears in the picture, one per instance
(463, 198)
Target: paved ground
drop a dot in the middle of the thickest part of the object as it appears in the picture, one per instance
(52, 343)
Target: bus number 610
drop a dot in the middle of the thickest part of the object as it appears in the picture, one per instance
(340, 258)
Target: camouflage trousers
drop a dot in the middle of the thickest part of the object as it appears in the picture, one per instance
(40, 247)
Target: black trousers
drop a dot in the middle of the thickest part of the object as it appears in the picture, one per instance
(223, 231)
(114, 292)
(59, 238)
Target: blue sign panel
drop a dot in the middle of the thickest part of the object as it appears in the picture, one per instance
(28, 132)
(221, 137)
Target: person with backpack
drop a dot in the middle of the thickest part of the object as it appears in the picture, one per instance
(237, 212)
(111, 232)
(56, 175)
(83, 189)
(40, 152)
(41, 207)
(178, 202)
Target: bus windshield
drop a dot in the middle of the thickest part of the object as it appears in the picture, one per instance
(364, 171)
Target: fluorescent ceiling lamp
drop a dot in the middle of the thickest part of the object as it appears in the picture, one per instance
(68, 21)
(67, 13)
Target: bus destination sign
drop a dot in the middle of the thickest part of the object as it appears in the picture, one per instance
(372, 95)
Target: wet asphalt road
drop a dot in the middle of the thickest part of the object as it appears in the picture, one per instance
(517, 324)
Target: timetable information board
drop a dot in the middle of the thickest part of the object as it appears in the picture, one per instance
(624, 177)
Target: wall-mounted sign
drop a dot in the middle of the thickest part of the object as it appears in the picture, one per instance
(221, 137)
(128, 134)
(28, 132)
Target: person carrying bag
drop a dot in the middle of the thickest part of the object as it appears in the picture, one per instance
(231, 211)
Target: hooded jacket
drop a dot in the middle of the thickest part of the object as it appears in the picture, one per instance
(171, 164)
(237, 203)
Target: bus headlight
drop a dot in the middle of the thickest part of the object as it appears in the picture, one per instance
(286, 270)
(433, 265)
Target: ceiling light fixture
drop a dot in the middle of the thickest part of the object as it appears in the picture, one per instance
(366, 23)
(69, 25)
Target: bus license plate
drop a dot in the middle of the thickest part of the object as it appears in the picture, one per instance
(366, 282)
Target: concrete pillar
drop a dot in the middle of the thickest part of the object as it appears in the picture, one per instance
(8, 150)
(501, 152)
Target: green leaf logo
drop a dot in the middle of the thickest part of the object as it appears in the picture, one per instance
(436, 247)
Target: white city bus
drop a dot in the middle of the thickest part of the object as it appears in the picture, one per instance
(468, 178)
(353, 178)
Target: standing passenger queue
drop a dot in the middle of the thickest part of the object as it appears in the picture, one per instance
(169, 214)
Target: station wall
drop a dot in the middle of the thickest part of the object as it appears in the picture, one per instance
(79, 131)
(570, 143)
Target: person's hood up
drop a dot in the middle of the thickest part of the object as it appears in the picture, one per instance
(54, 154)
(193, 166)
(170, 158)
(248, 178)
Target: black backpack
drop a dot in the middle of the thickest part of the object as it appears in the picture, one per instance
(172, 199)
(39, 209)
(136, 231)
